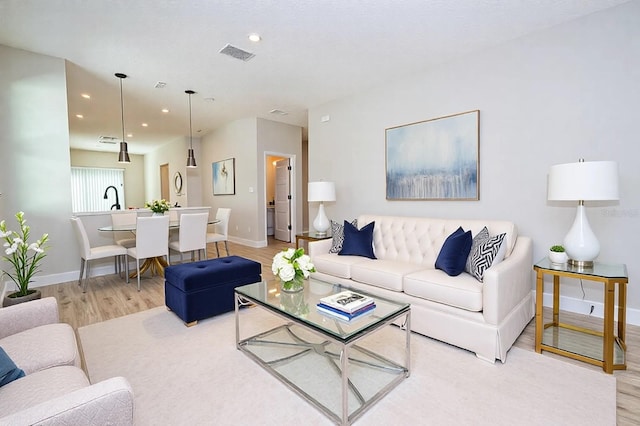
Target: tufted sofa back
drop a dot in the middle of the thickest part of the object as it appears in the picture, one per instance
(419, 239)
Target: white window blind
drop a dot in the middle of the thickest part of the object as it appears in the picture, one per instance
(88, 186)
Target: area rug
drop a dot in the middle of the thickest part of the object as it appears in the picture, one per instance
(196, 376)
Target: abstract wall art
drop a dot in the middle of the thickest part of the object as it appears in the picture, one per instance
(436, 159)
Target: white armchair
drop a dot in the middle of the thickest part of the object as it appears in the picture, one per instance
(54, 390)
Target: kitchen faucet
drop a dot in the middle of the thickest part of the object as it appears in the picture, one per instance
(117, 204)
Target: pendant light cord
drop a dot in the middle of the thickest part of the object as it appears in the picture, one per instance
(190, 131)
(122, 109)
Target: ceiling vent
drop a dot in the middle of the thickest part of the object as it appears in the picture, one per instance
(111, 140)
(160, 85)
(236, 52)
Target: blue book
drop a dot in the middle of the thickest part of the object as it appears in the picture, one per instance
(322, 308)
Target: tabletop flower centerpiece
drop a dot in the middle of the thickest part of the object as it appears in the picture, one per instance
(23, 257)
(292, 266)
(158, 207)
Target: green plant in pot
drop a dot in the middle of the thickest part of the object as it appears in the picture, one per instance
(24, 258)
(557, 254)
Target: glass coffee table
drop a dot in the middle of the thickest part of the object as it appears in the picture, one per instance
(330, 362)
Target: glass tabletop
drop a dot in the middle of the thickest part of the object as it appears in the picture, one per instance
(302, 306)
(174, 224)
(605, 270)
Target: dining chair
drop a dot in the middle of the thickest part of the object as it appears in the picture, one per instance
(152, 240)
(192, 235)
(173, 217)
(88, 253)
(221, 230)
(125, 239)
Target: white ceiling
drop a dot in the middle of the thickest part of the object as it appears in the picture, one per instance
(312, 51)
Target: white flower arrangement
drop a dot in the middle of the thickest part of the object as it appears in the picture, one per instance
(158, 206)
(17, 250)
(292, 266)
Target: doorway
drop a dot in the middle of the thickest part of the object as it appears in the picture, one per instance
(165, 193)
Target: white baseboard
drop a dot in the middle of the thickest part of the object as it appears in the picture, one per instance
(580, 306)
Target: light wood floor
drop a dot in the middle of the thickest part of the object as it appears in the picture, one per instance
(110, 297)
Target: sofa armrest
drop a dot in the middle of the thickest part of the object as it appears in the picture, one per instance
(109, 402)
(508, 283)
(24, 316)
(319, 247)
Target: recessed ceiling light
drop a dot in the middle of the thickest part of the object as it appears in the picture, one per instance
(209, 99)
(129, 135)
(79, 115)
(86, 96)
(145, 125)
(165, 110)
(255, 37)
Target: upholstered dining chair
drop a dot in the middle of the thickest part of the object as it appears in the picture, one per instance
(152, 240)
(88, 253)
(221, 230)
(124, 238)
(192, 235)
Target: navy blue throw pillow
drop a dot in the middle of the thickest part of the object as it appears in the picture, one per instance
(358, 242)
(454, 252)
(8, 370)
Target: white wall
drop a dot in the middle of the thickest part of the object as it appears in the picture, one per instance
(247, 140)
(35, 172)
(566, 93)
(175, 155)
(133, 172)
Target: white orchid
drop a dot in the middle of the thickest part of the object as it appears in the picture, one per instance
(25, 265)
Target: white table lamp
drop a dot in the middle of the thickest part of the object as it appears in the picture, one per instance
(321, 191)
(583, 181)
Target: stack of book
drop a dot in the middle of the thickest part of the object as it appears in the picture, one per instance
(346, 305)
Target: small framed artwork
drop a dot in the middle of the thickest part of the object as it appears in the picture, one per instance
(224, 177)
(436, 159)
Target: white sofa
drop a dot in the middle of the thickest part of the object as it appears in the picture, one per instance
(54, 390)
(483, 317)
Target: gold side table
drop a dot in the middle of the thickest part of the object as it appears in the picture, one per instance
(603, 348)
(311, 236)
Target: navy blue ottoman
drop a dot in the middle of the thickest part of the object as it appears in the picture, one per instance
(200, 290)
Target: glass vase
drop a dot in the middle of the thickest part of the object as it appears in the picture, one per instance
(293, 286)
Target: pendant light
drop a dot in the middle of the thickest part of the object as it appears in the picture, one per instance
(191, 158)
(123, 156)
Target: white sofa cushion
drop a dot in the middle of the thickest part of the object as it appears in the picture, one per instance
(387, 274)
(26, 348)
(462, 291)
(39, 387)
(333, 264)
(419, 240)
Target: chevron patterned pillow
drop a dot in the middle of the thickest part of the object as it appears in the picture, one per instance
(480, 238)
(337, 231)
(484, 256)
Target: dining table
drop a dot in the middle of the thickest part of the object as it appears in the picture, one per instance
(157, 264)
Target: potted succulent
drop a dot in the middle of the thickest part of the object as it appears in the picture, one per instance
(557, 254)
(24, 259)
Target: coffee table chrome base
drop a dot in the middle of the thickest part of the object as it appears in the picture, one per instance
(349, 354)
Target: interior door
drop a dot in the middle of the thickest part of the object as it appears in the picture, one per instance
(165, 192)
(282, 229)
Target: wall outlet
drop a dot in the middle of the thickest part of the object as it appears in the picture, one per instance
(249, 229)
(236, 227)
